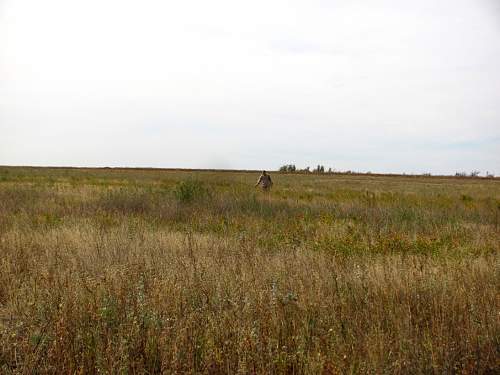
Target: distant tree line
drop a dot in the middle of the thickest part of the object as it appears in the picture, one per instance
(288, 168)
(474, 174)
(291, 168)
(320, 169)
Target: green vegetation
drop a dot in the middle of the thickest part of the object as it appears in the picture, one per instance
(148, 271)
(190, 190)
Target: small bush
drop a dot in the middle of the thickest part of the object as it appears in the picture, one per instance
(190, 190)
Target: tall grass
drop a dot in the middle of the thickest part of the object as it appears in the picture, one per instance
(171, 272)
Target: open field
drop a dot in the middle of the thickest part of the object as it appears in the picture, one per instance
(144, 271)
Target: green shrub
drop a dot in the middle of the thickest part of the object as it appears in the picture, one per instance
(190, 190)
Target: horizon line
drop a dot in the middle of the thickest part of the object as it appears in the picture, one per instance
(225, 170)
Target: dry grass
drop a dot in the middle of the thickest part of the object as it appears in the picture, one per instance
(115, 271)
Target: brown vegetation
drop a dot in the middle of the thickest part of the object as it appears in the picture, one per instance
(116, 271)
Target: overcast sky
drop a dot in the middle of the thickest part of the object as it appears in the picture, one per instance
(381, 86)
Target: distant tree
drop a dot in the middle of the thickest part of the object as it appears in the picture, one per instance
(288, 168)
(474, 173)
(319, 169)
(460, 174)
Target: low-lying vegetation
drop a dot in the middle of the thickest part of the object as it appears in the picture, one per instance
(130, 271)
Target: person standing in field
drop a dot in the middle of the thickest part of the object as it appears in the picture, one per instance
(264, 181)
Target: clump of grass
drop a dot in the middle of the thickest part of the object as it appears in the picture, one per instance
(466, 198)
(191, 190)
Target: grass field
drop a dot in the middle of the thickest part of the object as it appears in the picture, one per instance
(148, 271)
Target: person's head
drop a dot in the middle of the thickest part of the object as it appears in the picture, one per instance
(264, 173)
